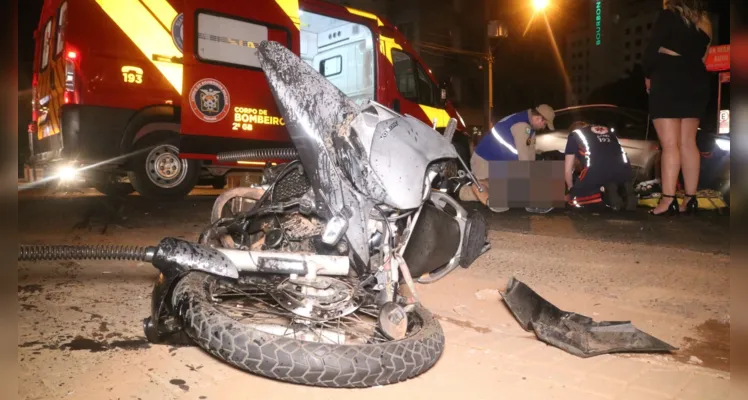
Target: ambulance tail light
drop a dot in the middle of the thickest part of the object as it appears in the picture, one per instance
(72, 58)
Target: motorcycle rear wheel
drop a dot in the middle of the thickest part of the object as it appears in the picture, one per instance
(298, 361)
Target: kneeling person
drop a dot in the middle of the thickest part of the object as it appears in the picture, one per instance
(604, 170)
(511, 139)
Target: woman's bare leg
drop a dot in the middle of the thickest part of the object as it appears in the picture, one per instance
(690, 158)
(668, 131)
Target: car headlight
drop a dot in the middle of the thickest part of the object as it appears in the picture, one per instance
(723, 144)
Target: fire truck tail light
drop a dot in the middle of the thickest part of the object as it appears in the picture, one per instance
(72, 55)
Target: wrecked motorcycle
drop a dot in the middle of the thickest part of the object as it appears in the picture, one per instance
(313, 282)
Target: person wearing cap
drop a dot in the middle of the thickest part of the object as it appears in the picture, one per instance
(511, 139)
(604, 171)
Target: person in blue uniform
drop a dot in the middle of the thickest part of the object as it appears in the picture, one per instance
(511, 139)
(605, 173)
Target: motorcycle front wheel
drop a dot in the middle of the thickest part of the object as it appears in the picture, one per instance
(224, 318)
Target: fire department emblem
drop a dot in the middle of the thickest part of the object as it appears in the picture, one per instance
(599, 129)
(209, 100)
(177, 31)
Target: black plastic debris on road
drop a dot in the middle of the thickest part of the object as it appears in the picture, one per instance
(576, 333)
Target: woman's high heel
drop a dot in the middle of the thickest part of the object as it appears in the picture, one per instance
(672, 209)
(692, 205)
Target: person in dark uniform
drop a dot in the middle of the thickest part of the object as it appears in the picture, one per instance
(678, 86)
(605, 173)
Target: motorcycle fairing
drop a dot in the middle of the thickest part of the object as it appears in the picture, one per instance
(575, 333)
(318, 117)
(400, 150)
(355, 157)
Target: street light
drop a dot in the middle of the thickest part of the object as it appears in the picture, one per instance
(540, 5)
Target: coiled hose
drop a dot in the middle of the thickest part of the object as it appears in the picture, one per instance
(96, 252)
(258, 154)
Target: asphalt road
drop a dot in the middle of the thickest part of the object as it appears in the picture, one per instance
(80, 333)
(707, 231)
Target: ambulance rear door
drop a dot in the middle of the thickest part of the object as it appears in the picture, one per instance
(226, 101)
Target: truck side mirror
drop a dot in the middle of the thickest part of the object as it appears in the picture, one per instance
(444, 94)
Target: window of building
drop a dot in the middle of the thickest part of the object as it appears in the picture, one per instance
(638, 42)
(626, 57)
(649, 26)
(638, 56)
(627, 45)
(638, 29)
(628, 31)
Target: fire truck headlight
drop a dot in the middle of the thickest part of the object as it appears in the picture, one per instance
(67, 173)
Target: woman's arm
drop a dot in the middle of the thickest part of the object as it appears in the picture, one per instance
(659, 31)
(706, 26)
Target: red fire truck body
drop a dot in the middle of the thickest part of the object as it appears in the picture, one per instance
(114, 78)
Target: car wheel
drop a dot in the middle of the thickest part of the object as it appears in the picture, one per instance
(158, 172)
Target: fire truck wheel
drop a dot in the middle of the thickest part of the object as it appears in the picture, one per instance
(159, 172)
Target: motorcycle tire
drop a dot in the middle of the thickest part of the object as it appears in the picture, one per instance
(303, 362)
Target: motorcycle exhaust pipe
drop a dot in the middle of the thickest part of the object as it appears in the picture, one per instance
(176, 256)
(185, 256)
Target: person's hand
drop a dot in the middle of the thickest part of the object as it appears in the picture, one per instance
(647, 84)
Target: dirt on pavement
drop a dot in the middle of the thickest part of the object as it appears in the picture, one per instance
(81, 336)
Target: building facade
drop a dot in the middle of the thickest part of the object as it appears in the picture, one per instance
(607, 43)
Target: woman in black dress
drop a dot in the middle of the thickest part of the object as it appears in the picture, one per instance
(678, 86)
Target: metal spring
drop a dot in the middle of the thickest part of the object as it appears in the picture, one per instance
(258, 154)
(96, 252)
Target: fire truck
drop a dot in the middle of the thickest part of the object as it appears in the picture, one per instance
(140, 95)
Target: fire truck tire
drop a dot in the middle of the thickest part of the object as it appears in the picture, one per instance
(158, 172)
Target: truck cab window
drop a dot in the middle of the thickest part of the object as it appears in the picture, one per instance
(428, 92)
(405, 75)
